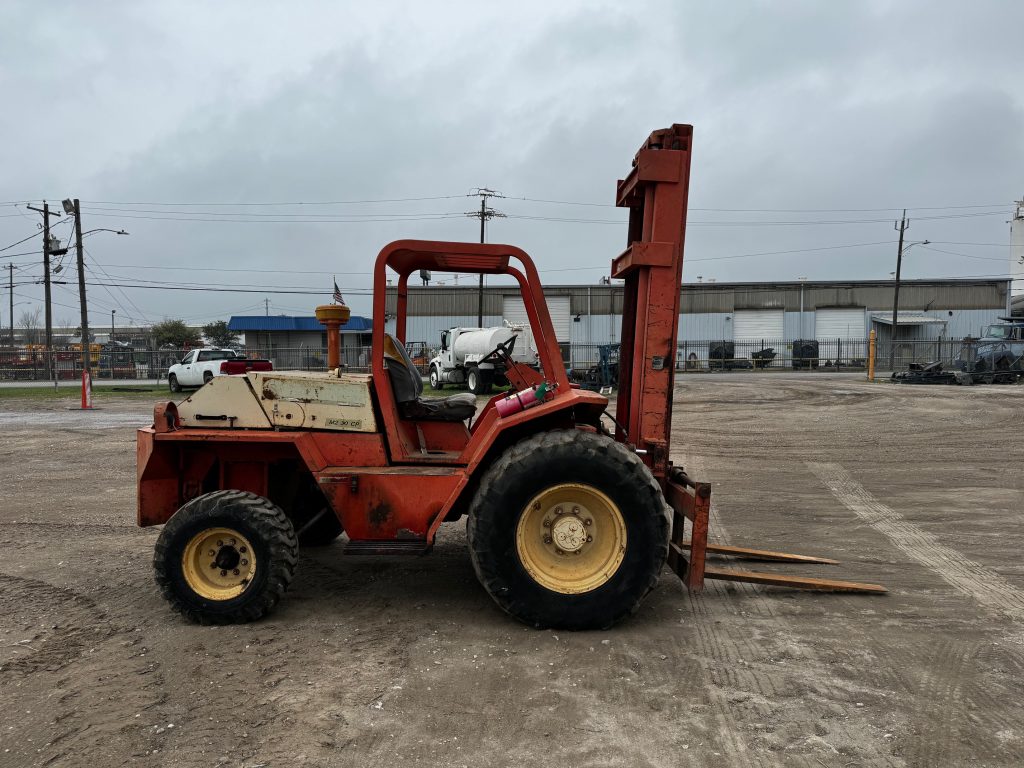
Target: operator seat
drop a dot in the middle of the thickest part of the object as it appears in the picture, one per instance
(407, 385)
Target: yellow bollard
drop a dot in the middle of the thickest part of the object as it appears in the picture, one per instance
(871, 355)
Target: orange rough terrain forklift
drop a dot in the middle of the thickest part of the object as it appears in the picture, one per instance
(570, 521)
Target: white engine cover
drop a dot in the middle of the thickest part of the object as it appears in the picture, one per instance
(291, 400)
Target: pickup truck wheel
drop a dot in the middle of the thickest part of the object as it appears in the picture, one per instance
(435, 378)
(225, 557)
(207, 377)
(569, 530)
(172, 382)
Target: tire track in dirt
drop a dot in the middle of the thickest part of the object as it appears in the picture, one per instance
(83, 670)
(743, 669)
(969, 577)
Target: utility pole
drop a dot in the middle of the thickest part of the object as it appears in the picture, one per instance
(45, 210)
(10, 283)
(112, 326)
(902, 226)
(86, 356)
(484, 214)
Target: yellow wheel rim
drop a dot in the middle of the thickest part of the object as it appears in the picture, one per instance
(218, 563)
(571, 538)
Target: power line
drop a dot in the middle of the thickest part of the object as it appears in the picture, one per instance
(172, 216)
(24, 239)
(282, 203)
(769, 210)
(126, 296)
(965, 255)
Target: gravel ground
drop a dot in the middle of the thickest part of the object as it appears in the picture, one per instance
(391, 661)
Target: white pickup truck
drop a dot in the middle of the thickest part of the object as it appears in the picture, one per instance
(201, 365)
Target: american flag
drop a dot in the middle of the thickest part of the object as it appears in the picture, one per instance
(338, 299)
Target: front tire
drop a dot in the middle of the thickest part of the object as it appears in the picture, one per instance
(435, 378)
(172, 382)
(568, 530)
(225, 557)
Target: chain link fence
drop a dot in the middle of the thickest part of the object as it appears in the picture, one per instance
(33, 363)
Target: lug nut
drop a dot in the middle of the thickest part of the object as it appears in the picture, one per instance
(560, 552)
(245, 562)
(241, 549)
(212, 553)
(220, 543)
(575, 510)
(558, 510)
(547, 523)
(236, 571)
(223, 573)
(590, 538)
(213, 565)
(231, 542)
(588, 521)
(547, 539)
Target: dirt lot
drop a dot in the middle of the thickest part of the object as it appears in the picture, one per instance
(407, 662)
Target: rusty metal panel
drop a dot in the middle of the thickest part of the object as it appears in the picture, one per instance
(392, 503)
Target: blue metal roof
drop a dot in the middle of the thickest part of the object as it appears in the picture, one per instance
(242, 323)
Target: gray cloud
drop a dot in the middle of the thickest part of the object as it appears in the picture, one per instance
(795, 105)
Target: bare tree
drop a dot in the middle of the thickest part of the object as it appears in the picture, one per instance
(28, 321)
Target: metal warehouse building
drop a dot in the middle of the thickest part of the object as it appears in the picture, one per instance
(773, 313)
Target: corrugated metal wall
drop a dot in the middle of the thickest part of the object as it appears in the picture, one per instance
(707, 309)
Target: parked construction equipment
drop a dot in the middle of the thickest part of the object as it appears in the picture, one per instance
(570, 517)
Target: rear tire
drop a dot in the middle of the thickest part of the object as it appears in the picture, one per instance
(254, 552)
(435, 378)
(172, 382)
(207, 377)
(547, 482)
(475, 382)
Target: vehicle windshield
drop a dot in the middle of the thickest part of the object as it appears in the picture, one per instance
(997, 332)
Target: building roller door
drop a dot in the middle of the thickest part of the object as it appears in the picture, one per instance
(846, 323)
(514, 311)
(758, 325)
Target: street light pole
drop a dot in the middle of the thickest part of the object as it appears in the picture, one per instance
(112, 325)
(896, 292)
(73, 208)
(904, 225)
(86, 352)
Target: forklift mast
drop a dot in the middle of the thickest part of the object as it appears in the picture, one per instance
(655, 191)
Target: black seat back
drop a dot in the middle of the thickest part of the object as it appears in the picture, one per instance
(406, 381)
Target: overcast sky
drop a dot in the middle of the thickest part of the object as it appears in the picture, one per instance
(158, 115)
